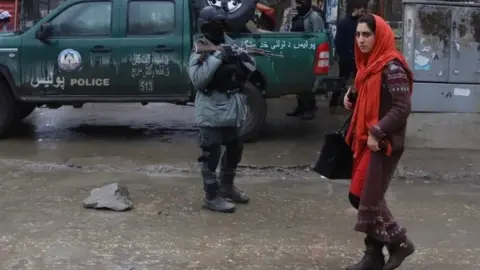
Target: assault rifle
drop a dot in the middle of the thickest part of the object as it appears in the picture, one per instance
(236, 49)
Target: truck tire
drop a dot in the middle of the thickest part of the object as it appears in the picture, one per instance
(239, 11)
(256, 113)
(7, 109)
(24, 110)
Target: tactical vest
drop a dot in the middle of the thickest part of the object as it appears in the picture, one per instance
(229, 76)
(298, 24)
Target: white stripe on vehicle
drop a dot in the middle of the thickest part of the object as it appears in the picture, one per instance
(8, 49)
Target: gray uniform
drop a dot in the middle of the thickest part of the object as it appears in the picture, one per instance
(313, 22)
(218, 116)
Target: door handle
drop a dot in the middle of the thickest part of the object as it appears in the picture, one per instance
(163, 48)
(100, 49)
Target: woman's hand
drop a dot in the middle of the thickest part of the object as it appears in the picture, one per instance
(372, 143)
(346, 102)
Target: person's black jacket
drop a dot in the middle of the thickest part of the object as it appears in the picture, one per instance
(345, 38)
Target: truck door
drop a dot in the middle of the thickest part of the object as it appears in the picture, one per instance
(153, 48)
(295, 69)
(76, 59)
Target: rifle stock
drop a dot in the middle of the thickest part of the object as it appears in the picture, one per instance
(202, 47)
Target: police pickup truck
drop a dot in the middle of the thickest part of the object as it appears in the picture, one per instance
(101, 51)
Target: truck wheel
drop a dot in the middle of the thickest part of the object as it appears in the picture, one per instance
(24, 110)
(239, 12)
(7, 109)
(256, 113)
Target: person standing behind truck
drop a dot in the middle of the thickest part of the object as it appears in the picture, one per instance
(306, 20)
(219, 109)
(345, 44)
(5, 18)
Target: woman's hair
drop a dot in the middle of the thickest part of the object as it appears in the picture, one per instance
(369, 20)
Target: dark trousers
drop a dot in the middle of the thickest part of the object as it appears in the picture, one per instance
(347, 69)
(211, 141)
(306, 101)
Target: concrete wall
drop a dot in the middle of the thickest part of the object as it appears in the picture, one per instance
(444, 130)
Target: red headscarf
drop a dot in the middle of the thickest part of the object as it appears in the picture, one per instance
(368, 83)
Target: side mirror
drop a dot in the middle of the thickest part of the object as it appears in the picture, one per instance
(44, 32)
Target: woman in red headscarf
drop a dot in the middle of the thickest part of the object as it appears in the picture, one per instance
(381, 100)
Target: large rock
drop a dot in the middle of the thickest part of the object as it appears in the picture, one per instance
(113, 196)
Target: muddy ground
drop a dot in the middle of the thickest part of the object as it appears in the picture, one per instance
(295, 220)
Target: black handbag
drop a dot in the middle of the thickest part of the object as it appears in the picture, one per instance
(336, 158)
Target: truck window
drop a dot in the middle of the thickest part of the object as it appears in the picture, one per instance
(151, 17)
(84, 19)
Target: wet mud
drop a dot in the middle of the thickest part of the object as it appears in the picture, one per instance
(296, 219)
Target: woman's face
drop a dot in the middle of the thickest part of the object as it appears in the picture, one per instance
(365, 38)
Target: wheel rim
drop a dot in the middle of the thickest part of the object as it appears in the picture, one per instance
(232, 5)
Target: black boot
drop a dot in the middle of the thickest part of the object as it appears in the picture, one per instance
(297, 112)
(213, 201)
(229, 191)
(373, 258)
(233, 193)
(311, 109)
(308, 115)
(398, 253)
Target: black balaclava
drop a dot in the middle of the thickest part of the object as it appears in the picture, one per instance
(304, 7)
(212, 20)
(214, 32)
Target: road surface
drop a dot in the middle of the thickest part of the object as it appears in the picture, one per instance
(295, 220)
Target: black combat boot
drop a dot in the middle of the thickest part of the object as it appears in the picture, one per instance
(308, 115)
(373, 258)
(311, 109)
(213, 201)
(229, 191)
(398, 253)
(297, 112)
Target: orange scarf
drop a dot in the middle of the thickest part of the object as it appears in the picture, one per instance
(368, 83)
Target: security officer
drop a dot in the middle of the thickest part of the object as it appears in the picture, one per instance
(219, 77)
(306, 20)
(5, 18)
(345, 46)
